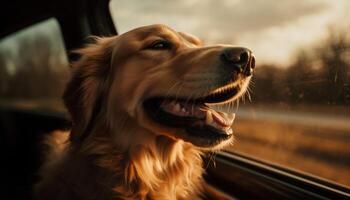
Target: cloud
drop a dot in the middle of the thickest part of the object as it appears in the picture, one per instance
(258, 24)
(242, 16)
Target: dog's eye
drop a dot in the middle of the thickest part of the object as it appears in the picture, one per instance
(160, 45)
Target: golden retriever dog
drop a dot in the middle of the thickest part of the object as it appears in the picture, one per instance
(142, 109)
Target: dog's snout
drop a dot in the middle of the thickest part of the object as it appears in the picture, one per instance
(239, 59)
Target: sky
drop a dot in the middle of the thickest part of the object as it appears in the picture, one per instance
(273, 29)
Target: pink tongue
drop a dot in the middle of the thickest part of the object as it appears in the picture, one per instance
(219, 119)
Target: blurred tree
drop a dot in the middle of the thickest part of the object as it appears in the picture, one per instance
(40, 68)
(33, 67)
(298, 76)
(319, 75)
(335, 68)
(268, 84)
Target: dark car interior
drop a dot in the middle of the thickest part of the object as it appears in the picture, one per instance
(22, 130)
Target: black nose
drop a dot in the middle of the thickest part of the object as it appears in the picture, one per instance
(240, 59)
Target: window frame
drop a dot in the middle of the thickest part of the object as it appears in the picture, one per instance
(268, 180)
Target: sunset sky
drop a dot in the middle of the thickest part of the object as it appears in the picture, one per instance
(274, 30)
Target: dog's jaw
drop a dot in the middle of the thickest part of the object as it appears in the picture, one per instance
(194, 120)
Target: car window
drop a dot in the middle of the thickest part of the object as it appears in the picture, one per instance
(297, 110)
(33, 68)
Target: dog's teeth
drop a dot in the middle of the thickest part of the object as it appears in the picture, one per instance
(183, 110)
(176, 107)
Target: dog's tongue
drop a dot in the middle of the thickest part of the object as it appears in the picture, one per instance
(220, 118)
(207, 115)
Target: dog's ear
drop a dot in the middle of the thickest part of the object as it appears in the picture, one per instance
(87, 83)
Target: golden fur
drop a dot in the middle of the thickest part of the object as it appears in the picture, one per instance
(113, 150)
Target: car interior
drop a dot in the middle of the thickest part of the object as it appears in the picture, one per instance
(24, 124)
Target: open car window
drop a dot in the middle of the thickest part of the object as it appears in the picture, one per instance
(33, 68)
(297, 111)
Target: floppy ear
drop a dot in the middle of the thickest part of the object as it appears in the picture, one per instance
(84, 90)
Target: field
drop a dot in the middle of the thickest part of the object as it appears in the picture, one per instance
(309, 139)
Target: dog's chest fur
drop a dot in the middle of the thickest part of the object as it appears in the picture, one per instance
(167, 170)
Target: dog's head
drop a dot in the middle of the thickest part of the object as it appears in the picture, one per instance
(165, 81)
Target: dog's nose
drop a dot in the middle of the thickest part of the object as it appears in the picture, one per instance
(240, 59)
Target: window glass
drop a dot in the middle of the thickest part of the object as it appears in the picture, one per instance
(299, 112)
(33, 68)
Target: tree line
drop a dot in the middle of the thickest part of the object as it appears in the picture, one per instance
(36, 69)
(320, 74)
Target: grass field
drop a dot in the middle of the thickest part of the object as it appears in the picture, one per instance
(313, 140)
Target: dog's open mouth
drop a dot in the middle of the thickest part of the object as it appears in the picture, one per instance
(202, 124)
